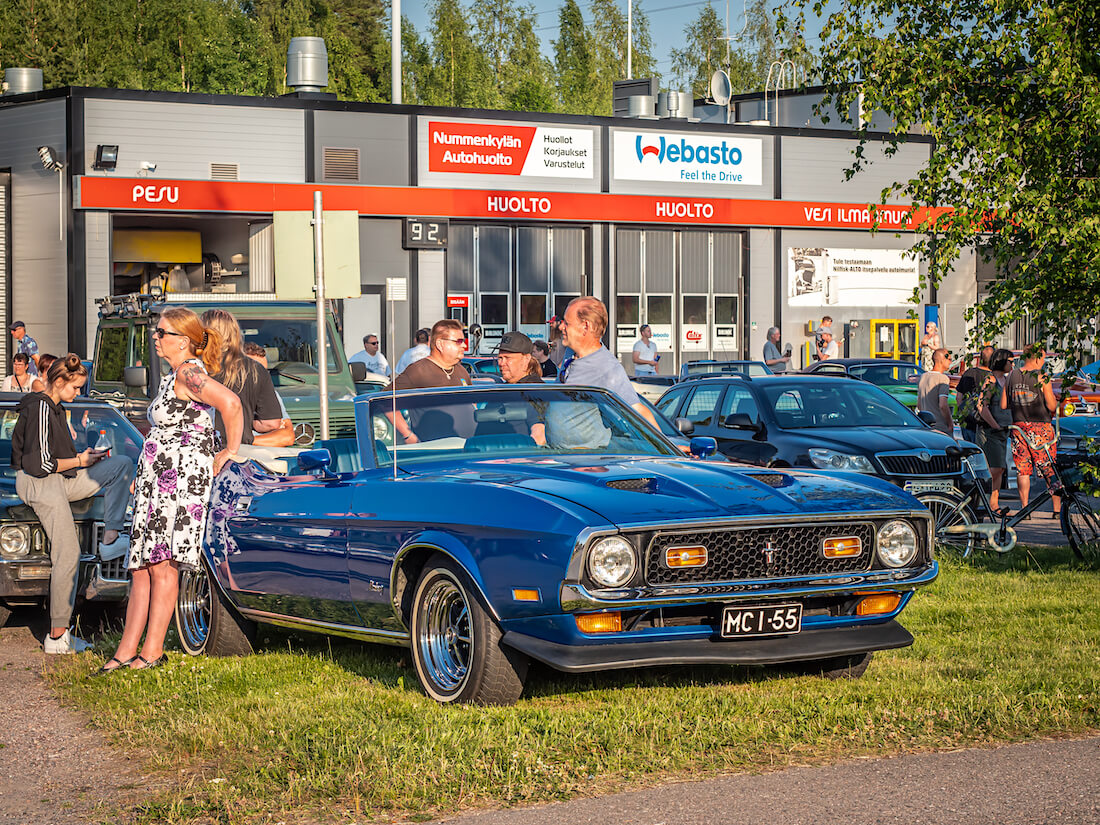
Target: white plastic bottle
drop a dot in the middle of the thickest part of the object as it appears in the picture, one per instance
(103, 445)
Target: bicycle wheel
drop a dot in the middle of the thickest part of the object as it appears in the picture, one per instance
(1082, 527)
(947, 512)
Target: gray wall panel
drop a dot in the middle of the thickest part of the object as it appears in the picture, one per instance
(813, 169)
(39, 277)
(761, 289)
(183, 139)
(382, 141)
(97, 257)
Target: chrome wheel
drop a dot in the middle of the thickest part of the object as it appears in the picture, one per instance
(193, 610)
(948, 512)
(444, 639)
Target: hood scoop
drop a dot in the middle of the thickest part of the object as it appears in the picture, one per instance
(638, 485)
(772, 479)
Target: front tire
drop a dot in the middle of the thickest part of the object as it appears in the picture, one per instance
(456, 642)
(838, 667)
(946, 512)
(1082, 527)
(205, 622)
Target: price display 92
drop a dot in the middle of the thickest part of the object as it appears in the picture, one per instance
(425, 233)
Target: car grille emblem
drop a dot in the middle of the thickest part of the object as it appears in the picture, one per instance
(924, 456)
(769, 555)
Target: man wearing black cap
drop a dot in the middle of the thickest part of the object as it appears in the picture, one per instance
(26, 345)
(517, 363)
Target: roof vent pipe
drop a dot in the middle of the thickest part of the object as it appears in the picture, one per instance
(22, 81)
(307, 64)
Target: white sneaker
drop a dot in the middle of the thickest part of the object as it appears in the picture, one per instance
(66, 643)
(116, 549)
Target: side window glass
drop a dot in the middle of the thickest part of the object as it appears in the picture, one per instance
(141, 346)
(739, 400)
(700, 409)
(111, 357)
(669, 402)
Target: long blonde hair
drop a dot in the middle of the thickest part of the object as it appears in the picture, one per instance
(206, 342)
(233, 369)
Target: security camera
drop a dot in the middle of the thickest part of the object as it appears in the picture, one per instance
(147, 166)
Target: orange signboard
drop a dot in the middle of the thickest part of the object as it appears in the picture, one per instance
(398, 201)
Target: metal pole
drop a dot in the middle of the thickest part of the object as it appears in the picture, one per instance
(322, 315)
(629, 37)
(395, 51)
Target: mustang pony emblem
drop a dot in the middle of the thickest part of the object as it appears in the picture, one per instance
(769, 555)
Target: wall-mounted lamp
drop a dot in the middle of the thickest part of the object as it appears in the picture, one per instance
(146, 167)
(106, 157)
(51, 161)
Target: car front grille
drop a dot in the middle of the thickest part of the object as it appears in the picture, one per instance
(115, 568)
(760, 553)
(912, 464)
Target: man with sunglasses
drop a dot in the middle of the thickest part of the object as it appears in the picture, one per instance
(442, 368)
(370, 356)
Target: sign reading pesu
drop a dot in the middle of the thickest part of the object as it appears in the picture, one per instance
(506, 149)
(688, 158)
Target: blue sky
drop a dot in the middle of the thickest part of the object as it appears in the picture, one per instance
(667, 19)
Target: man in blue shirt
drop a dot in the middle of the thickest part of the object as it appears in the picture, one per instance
(593, 365)
(26, 345)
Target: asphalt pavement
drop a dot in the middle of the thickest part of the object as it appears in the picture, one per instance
(1054, 781)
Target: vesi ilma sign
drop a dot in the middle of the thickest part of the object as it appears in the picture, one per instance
(506, 149)
(688, 158)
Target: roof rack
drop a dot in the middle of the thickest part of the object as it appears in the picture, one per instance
(134, 303)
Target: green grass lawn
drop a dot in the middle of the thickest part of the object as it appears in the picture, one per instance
(1006, 649)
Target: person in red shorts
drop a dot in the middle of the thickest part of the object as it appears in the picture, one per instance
(1031, 399)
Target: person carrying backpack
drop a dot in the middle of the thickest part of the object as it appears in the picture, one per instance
(968, 394)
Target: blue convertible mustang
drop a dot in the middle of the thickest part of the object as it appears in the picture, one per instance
(551, 523)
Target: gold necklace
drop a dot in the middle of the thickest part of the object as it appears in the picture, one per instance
(447, 372)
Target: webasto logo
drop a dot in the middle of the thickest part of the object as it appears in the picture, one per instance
(684, 152)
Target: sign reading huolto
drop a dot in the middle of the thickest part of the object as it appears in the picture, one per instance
(509, 149)
(687, 158)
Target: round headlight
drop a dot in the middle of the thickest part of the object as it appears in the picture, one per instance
(611, 562)
(14, 541)
(897, 543)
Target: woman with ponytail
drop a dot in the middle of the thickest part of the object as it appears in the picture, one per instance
(175, 474)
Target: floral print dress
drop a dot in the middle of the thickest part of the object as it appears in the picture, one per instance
(174, 476)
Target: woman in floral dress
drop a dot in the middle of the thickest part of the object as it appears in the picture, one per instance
(174, 476)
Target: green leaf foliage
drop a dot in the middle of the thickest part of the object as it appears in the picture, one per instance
(1009, 91)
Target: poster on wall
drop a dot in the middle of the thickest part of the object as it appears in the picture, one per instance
(822, 277)
(694, 337)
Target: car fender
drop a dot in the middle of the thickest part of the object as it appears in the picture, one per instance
(417, 549)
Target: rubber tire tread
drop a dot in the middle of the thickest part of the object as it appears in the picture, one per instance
(499, 672)
(230, 633)
(5, 614)
(1067, 530)
(840, 667)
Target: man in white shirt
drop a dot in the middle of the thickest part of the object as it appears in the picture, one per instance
(371, 357)
(415, 352)
(645, 353)
(828, 348)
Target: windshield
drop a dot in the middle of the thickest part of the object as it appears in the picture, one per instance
(836, 404)
(85, 423)
(888, 375)
(510, 422)
(291, 345)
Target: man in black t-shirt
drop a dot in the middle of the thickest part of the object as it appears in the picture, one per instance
(966, 394)
(442, 368)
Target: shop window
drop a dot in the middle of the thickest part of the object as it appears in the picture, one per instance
(494, 309)
(695, 309)
(658, 309)
(626, 309)
(111, 358)
(532, 309)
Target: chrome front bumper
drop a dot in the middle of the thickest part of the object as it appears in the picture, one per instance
(577, 598)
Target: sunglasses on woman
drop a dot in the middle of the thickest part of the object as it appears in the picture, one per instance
(160, 332)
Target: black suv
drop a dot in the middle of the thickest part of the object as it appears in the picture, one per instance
(818, 422)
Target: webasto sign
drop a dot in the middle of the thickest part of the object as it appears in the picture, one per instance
(656, 156)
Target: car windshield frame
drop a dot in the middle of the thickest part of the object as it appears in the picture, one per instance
(501, 418)
(823, 414)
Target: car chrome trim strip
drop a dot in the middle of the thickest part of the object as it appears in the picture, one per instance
(577, 597)
(366, 634)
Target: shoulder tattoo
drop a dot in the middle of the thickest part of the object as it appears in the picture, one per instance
(194, 379)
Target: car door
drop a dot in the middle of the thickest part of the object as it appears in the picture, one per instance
(735, 440)
(701, 407)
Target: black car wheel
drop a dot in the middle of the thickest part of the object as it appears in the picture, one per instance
(838, 667)
(947, 512)
(205, 622)
(1081, 526)
(456, 643)
(5, 614)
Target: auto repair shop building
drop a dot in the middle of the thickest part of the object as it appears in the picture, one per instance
(709, 232)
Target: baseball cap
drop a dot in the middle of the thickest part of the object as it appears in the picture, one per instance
(553, 320)
(515, 342)
(15, 325)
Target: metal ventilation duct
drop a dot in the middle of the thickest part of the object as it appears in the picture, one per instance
(307, 64)
(639, 106)
(22, 81)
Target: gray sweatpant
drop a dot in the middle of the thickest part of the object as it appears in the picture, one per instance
(49, 497)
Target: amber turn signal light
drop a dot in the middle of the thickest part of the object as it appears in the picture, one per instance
(878, 604)
(599, 622)
(695, 556)
(842, 548)
(521, 595)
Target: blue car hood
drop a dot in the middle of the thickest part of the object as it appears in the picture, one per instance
(670, 489)
(873, 439)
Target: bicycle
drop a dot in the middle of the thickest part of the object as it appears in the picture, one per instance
(959, 523)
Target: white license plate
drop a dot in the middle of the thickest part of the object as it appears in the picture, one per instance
(915, 487)
(762, 620)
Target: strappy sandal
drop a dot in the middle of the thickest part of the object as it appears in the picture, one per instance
(162, 659)
(103, 671)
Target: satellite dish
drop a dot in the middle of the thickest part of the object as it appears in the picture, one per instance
(720, 88)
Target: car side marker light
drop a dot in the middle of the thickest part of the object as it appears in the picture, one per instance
(599, 622)
(842, 548)
(693, 556)
(522, 595)
(878, 604)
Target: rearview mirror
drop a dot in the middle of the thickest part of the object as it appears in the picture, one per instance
(927, 418)
(702, 446)
(739, 421)
(313, 460)
(135, 376)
